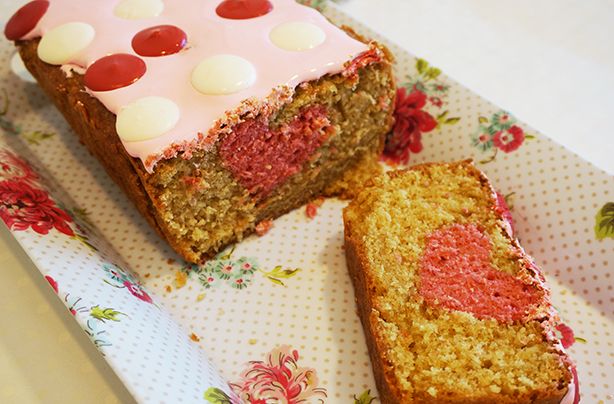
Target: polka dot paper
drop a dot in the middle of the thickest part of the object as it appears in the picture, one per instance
(176, 332)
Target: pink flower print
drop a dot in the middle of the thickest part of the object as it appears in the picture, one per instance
(246, 266)
(23, 206)
(567, 335)
(137, 291)
(12, 167)
(52, 282)
(410, 122)
(279, 379)
(227, 269)
(483, 140)
(502, 121)
(436, 101)
(510, 139)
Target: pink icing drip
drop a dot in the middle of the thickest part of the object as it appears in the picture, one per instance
(208, 34)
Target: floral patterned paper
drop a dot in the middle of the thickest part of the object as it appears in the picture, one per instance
(276, 314)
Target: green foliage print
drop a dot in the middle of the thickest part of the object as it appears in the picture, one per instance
(237, 273)
(34, 138)
(214, 395)
(604, 222)
(364, 398)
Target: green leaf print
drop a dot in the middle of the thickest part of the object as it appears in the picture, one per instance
(216, 396)
(421, 65)
(278, 273)
(104, 314)
(35, 138)
(441, 117)
(432, 73)
(604, 222)
(364, 398)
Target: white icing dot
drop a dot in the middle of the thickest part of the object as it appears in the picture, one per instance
(297, 36)
(62, 43)
(223, 74)
(138, 9)
(20, 70)
(146, 118)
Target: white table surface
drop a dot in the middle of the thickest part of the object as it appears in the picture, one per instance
(550, 62)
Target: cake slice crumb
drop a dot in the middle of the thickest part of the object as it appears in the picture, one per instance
(311, 209)
(181, 278)
(263, 227)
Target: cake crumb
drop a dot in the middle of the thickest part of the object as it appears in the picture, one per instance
(432, 391)
(200, 297)
(311, 209)
(263, 227)
(495, 389)
(194, 337)
(168, 288)
(252, 341)
(181, 278)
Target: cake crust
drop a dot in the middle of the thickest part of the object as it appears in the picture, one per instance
(376, 324)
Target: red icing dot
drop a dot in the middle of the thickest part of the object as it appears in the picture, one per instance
(25, 19)
(456, 273)
(243, 9)
(160, 40)
(113, 72)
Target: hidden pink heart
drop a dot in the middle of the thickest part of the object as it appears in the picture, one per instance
(456, 273)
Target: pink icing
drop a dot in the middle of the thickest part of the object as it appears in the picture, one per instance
(261, 159)
(208, 34)
(456, 273)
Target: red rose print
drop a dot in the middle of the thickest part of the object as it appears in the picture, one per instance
(12, 167)
(567, 336)
(137, 291)
(436, 101)
(509, 140)
(22, 207)
(410, 122)
(52, 282)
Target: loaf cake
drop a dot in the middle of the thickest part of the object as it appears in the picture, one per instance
(453, 309)
(212, 115)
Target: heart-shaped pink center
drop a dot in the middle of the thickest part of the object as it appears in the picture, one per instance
(456, 273)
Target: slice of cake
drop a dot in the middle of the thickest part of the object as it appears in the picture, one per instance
(454, 311)
(213, 116)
